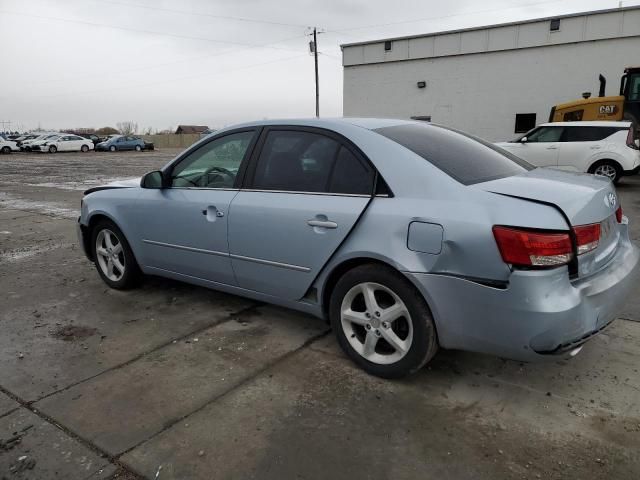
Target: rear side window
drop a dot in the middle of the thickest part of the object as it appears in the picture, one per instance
(299, 161)
(463, 157)
(589, 134)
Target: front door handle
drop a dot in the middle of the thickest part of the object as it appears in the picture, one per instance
(322, 223)
(552, 148)
(211, 212)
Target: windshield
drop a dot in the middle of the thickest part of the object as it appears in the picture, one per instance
(463, 157)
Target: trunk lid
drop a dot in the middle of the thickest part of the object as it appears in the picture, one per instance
(584, 199)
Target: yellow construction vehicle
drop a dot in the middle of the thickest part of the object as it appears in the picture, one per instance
(625, 106)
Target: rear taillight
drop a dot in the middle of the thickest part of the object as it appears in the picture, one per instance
(619, 214)
(587, 237)
(631, 141)
(533, 247)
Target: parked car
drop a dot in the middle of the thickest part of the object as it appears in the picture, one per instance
(90, 136)
(27, 144)
(63, 143)
(148, 145)
(8, 146)
(121, 142)
(405, 235)
(602, 148)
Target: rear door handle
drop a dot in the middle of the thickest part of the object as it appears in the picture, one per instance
(595, 147)
(552, 148)
(322, 223)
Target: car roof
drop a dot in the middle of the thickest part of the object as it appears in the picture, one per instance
(588, 124)
(368, 123)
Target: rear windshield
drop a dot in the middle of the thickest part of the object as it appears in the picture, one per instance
(465, 158)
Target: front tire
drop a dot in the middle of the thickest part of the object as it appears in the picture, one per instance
(112, 148)
(6, 150)
(607, 168)
(53, 149)
(113, 257)
(84, 148)
(382, 322)
(138, 148)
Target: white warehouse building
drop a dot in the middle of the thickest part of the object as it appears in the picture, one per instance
(495, 81)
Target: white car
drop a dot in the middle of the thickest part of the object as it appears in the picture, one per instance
(7, 146)
(26, 145)
(602, 148)
(63, 143)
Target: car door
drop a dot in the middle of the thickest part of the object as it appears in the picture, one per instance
(75, 143)
(183, 228)
(540, 146)
(580, 144)
(305, 190)
(64, 144)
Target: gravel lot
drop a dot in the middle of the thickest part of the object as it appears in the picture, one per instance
(172, 381)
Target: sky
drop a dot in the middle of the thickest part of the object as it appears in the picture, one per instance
(161, 63)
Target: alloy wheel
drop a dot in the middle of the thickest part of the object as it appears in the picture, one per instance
(110, 255)
(377, 323)
(606, 170)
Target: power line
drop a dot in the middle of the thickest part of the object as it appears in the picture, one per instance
(159, 65)
(202, 14)
(137, 30)
(128, 87)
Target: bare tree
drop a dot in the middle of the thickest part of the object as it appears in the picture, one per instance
(127, 128)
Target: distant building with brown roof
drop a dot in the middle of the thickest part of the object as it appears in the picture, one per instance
(191, 129)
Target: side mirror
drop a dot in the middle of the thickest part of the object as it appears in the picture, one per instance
(523, 140)
(153, 179)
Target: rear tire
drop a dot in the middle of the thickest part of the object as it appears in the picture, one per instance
(112, 148)
(113, 257)
(84, 148)
(607, 168)
(53, 149)
(382, 322)
(6, 150)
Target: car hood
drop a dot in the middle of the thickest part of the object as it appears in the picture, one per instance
(583, 198)
(126, 183)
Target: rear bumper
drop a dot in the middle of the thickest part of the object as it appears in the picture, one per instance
(538, 315)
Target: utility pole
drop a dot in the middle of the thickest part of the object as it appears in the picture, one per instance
(8, 122)
(313, 47)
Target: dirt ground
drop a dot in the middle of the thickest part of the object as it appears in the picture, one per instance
(172, 381)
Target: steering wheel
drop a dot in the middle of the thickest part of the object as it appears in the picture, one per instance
(223, 172)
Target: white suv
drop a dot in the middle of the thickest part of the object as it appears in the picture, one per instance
(602, 148)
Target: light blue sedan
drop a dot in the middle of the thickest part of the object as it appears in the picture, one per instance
(405, 236)
(117, 143)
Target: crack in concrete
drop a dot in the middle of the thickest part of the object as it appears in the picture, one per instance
(86, 442)
(220, 321)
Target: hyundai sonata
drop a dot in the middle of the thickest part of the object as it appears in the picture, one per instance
(405, 236)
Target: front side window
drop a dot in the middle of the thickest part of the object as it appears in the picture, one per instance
(545, 135)
(213, 165)
(298, 161)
